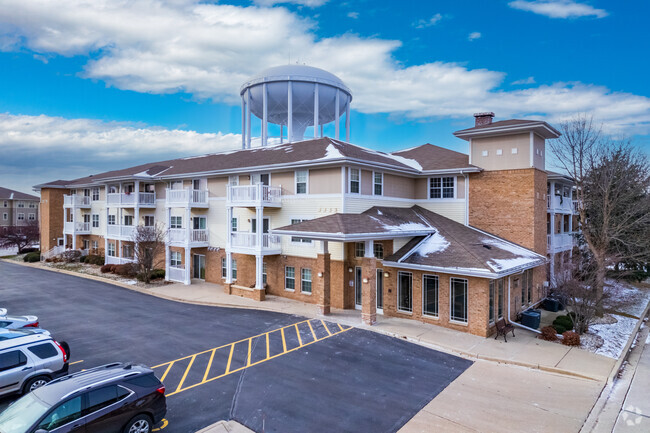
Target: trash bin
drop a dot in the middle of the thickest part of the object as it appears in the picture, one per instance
(551, 305)
(531, 318)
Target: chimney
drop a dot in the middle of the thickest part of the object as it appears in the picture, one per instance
(481, 119)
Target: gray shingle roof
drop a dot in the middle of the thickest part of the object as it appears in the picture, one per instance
(6, 194)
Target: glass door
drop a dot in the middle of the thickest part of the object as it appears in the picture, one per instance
(380, 291)
(199, 267)
(357, 287)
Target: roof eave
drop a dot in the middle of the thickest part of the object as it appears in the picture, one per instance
(351, 237)
(543, 129)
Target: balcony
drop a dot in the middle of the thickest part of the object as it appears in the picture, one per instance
(176, 273)
(125, 233)
(254, 195)
(133, 199)
(186, 197)
(560, 204)
(560, 242)
(112, 260)
(72, 228)
(76, 201)
(246, 243)
(196, 237)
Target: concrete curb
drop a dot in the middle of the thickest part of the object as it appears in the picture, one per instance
(626, 350)
(415, 340)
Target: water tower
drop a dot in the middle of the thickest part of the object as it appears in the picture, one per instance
(294, 97)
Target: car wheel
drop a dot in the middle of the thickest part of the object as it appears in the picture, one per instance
(139, 424)
(36, 382)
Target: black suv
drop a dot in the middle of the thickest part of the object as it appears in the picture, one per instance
(112, 398)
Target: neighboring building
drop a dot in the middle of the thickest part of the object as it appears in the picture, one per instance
(17, 208)
(425, 233)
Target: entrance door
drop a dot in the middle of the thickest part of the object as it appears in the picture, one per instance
(357, 287)
(199, 223)
(262, 178)
(265, 225)
(199, 267)
(380, 291)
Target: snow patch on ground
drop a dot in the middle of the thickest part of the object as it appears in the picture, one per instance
(615, 336)
(435, 243)
(625, 298)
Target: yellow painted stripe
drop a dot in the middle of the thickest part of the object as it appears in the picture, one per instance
(268, 349)
(254, 363)
(162, 379)
(76, 362)
(326, 328)
(312, 330)
(232, 349)
(250, 344)
(284, 343)
(298, 334)
(207, 370)
(340, 327)
(187, 370)
(226, 345)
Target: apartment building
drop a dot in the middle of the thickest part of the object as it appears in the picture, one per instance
(427, 233)
(17, 208)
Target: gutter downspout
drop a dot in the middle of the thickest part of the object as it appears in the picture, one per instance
(518, 325)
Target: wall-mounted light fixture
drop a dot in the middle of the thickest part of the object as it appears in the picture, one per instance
(320, 274)
(365, 281)
(386, 274)
(349, 269)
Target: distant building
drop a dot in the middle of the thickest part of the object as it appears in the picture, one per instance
(17, 208)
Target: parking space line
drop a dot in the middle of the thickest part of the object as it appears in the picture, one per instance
(340, 327)
(76, 362)
(247, 363)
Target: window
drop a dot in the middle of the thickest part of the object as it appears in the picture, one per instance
(5, 204)
(12, 359)
(176, 222)
(458, 294)
(355, 181)
(128, 220)
(63, 414)
(111, 249)
(441, 187)
(94, 245)
(224, 268)
(501, 293)
(405, 291)
(513, 150)
(499, 152)
(491, 312)
(524, 286)
(95, 220)
(95, 196)
(21, 217)
(32, 205)
(359, 249)
(484, 153)
(149, 220)
(44, 351)
(103, 397)
(196, 184)
(233, 224)
(127, 251)
(378, 183)
(290, 278)
(5, 216)
(305, 280)
(175, 259)
(378, 250)
(144, 381)
(264, 273)
(233, 180)
(85, 244)
(113, 189)
(234, 269)
(21, 204)
(530, 284)
(176, 184)
(430, 292)
(111, 220)
(31, 217)
(298, 239)
(301, 181)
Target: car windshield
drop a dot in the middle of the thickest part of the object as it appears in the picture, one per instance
(22, 414)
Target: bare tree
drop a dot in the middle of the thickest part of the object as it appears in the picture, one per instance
(149, 248)
(19, 236)
(610, 178)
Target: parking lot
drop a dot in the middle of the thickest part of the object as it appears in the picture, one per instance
(270, 371)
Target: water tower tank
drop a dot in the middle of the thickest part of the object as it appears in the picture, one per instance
(294, 97)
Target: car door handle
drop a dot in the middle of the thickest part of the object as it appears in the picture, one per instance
(27, 368)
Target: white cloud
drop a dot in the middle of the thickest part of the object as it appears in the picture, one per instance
(529, 80)
(209, 50)
(353, 15)
(558, 8)
(473, 36)
(421, 24)
(308, 3)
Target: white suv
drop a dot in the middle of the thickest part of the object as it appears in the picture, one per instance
(29, 358)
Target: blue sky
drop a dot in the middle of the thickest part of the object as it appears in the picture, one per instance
(88, 86)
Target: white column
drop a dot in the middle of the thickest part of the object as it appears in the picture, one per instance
(106, 232)
(281, 133)
(248, 118)
(324, 247)
(265, 124)
(188, 239)
(316, 110)
(289, 112)
(369, 249)
(337, 116)
(73, 210)
(243, 122)
(228, 267)
(347, 119)
(167, 257)
(259, 263)
(259, 216)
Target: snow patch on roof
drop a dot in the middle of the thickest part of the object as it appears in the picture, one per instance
(332, 152)
(509, 247)
(406, 161)
(404, 227)
(435, 243)
(522, 255)
(144, 174)
(499, 265)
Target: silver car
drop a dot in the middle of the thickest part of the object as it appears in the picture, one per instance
(29, 359)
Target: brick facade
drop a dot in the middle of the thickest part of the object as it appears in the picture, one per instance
(51, 217)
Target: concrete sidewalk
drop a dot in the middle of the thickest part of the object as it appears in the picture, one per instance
(524, 350)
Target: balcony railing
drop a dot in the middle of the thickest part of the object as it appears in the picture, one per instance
(560, 204)
(560, 242)
(254, 195)
(78, 228)
(186, 197)
(76, 200)
(112, 260)
(177, 273)
(119, 232)
(131, 199)
(248, 240)
(179, 236)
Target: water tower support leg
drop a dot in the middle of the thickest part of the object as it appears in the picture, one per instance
(243, 123)
(316, 110)
(264, 115)
(347, 121)
(248, 118)
(337, 115)
(289, 112)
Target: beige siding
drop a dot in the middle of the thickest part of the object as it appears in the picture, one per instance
(217, 186)
(286, 179)
(366, 182)
(460, 187)
(399, 186)
(539, 158)
(325, 181)
(505, 143)
(421, 187)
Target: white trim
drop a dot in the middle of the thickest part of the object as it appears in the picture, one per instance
(285, 278)
(374, 183)
(295, 183)
(343, 188)
(507, 128)
(447, 199)
(532, 148)
(297, 244)
(468, 272)
(459, 322)
(470, 151)
(320, 236)
(409, 200)
(350, 181)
